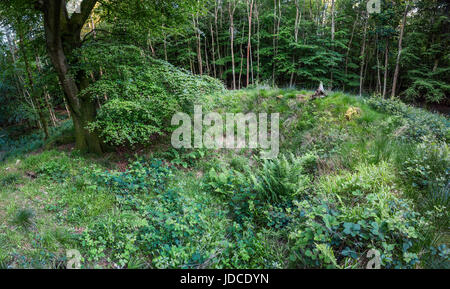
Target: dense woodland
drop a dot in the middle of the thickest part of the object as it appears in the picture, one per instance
(87, 94)
(400, 52)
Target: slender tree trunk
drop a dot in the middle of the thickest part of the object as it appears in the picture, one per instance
(150, 44)
(363, 57)
(33, 93)
(350, 45)
(47, 95)
(216, 18)
(274, 40)
(208, 69)
(276, 28)
(436, 64)
(242, 55)
(249, 43)
(199, 43)
(332, 39)
(18, 81)
(378, 67)
(213, 47)
(94, 34)
(386, 62)
(259, 42)
(397, 63)
(296, 29)
(332, 20)
(165, 46)
(231, 9)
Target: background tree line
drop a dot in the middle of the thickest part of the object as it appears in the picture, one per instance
(403, 51)
(400, 52)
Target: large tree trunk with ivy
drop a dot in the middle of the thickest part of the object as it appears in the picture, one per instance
(62, 35)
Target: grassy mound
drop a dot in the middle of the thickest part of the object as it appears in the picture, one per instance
(341, 189)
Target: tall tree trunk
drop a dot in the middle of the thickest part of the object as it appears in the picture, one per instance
(276, 28)
(378, 67)
(231, 9)
(93, 27)
(208, 69)
(249, 43)
(216, 18)
(18, 79)
(332, 39)
(363, 49)
(386, 62)
(242, 55)
(296, 29)
(199, 43)
(350, 45)
(274, 40)
(332, 20)
(258, 43)
(213, 47)
(165, 46)
(397, 63)
(62, 36)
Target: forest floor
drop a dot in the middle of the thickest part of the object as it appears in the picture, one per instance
(350, 177)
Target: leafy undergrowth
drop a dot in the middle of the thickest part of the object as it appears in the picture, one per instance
(353, 175)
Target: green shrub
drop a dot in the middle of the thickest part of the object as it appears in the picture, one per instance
(327, 235)
(428, 166)
(224, 183)
(113, 238)
(350, 215)
(282, 179)
(353, 188)
(142, 93)
(428, 89)
(184, 157)
(426, 173)
(415, 122)
(129, 122)
(254, 194)
(56, 169)
(143, 176)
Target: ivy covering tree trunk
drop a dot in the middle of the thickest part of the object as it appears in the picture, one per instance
(62, 33)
